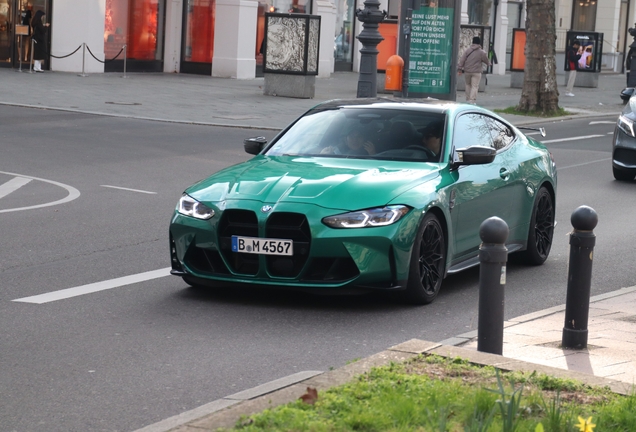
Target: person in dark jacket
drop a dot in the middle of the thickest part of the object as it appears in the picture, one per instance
(39, 36)
(573, 54)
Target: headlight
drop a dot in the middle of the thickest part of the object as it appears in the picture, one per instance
(626, 125)
(190, 207)
(374, 217)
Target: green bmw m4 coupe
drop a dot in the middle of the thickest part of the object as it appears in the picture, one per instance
(367, 194)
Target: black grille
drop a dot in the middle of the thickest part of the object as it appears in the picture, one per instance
(625, 156)
(292, 226)
(240, 223)
(331, 270)
(205, 261)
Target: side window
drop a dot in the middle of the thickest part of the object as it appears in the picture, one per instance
(500, 133)
(471, 130)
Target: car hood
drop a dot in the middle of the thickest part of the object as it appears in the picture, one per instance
(337, 183)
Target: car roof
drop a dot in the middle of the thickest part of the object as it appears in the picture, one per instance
(425, 105)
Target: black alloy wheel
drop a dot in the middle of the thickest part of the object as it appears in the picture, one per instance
(428, 261)
(541, 229)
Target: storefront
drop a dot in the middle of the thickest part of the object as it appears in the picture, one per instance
(139, 25)
(15, 30)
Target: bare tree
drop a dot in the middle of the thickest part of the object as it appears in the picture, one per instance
(539, 83)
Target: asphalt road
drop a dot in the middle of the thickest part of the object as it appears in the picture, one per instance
(126, 357)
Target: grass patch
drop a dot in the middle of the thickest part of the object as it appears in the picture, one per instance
(513, 110)
(432, 393)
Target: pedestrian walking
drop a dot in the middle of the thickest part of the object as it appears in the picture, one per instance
(573, 55)
(470, 64)
(39, 36)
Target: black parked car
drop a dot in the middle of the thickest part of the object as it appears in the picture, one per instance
(624, 144)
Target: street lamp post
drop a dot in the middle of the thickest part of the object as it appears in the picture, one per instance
(370, 37)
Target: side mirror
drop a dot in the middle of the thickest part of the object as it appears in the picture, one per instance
(254, 145)
(475, 155)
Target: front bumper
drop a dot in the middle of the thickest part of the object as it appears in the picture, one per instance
(623, 151)
(324, 257)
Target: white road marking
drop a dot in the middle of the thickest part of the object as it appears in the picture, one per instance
(94, 287)
(128, 189)
(13, 185)
(572, 138)
(603, 122)
(559, 168)
(532, 133)
(72, 193)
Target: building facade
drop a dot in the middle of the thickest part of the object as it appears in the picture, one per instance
(224, 38)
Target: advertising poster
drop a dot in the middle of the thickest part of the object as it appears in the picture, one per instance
(589, 50)
(518, 56)
(429, 65)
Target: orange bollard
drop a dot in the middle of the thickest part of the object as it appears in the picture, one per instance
(394, 67)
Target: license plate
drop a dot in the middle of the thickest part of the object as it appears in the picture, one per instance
(263, 246)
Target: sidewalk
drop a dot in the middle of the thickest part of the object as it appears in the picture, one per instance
(531, 342)
(241, 103)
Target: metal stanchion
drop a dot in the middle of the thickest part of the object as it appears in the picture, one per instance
(83, 74)
(20, 53)
(493, 256)
(125, 47)
(32, 48)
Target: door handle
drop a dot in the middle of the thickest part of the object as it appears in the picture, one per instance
(504, 173)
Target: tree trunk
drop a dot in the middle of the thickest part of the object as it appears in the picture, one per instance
(539, 82)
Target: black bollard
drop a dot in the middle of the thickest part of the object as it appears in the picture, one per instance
(577, 304)
(493, 255)
(370, 17)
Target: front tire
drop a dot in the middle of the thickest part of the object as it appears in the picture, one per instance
(428, 262)
(541, 229)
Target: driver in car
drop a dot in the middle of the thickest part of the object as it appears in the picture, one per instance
(432, 137)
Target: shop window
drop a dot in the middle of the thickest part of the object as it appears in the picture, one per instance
(136, 23)
(291, 6)
(584, 15)
(199, 31)
(479, 12)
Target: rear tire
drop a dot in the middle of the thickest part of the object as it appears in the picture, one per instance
(541, 229)
(428, 262)
(623, 175)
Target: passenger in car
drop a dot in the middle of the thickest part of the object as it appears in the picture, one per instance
(354, 144)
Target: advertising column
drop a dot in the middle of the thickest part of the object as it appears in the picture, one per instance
(429, 47)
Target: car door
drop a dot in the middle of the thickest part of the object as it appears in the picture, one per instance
(481, 191)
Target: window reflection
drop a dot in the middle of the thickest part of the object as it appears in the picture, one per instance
(138, 24)
(471, 130)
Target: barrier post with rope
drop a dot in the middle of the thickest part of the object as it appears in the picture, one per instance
(85, 48)
(125, 48)
(83, 74)
(32, 48)
(20, 51)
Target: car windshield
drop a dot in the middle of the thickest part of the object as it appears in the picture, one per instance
(355, 132)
